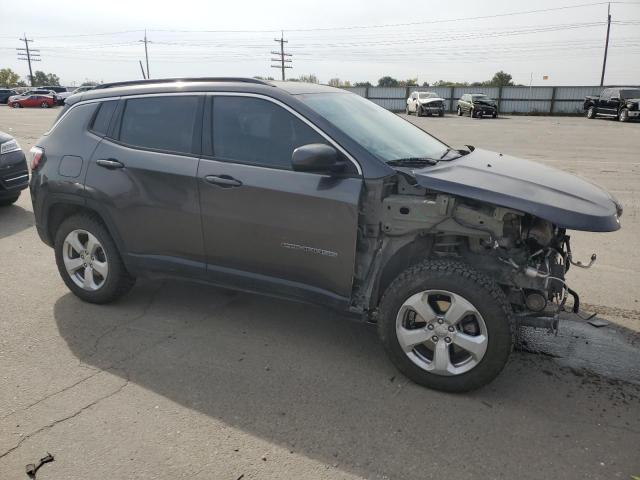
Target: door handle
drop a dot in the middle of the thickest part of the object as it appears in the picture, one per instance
(224, 181)
(110, 163)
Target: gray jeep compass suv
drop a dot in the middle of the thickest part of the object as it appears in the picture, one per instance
(315, 194)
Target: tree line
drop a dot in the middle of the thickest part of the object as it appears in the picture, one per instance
(10, 79)
(499, 79)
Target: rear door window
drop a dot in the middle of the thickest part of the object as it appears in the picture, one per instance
(162, 123)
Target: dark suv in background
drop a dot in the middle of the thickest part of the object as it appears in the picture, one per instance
(5, 93)
(477, 105)
(312, 193)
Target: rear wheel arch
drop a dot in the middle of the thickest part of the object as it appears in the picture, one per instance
(58, 212)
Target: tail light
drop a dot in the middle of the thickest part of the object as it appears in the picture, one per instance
(36, 156)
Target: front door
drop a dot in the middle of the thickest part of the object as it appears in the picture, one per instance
(266, 227)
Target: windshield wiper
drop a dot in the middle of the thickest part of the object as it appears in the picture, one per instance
(449, 151)
(412, 162)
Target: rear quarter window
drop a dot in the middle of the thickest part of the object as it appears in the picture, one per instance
(102, 119)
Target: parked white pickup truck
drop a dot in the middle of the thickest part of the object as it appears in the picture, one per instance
(425, 103)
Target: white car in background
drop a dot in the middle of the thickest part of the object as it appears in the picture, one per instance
(425, 103)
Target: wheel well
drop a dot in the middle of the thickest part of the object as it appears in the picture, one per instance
(59, 212)
(402, 259)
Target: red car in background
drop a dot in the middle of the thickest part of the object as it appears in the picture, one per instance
(34, 100)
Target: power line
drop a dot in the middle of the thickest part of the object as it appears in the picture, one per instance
(30, 55)
(282, 57)
(351, 27)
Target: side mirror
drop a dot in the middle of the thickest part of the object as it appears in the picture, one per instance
(315, 157)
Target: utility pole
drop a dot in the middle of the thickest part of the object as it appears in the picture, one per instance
(282, 57)
(146, 51)
(28, 54)
(606, 45)
(144, 77)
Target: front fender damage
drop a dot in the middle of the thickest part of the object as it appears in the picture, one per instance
(526, 255)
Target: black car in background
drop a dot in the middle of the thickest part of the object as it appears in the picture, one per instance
(5, 93)
(14, 174)
(622, 103)
(477, 105)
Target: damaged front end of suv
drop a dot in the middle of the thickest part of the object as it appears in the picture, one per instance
(505, 216)
(493, 219)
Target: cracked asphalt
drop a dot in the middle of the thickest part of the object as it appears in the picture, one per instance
(180, 380)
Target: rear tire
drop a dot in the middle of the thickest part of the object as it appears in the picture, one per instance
(44, 105)
(5, 202)
(491, 340)
(103, 289)
(15, 105)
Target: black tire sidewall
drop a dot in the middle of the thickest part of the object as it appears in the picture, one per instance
(118, 280)
(489, 301)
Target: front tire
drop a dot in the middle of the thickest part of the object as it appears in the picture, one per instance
(459, 111)
(455, 349)
(44, 105)
(88, 260)
(591, 113)
(15, 105)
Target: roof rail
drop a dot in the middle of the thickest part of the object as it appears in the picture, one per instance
(169, 80)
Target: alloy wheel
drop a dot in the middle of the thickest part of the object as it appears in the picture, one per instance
(85, 260)
(441, 332)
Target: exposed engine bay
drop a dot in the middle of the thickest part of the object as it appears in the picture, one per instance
(526, 255)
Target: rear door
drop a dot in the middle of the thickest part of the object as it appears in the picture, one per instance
(143, 178)
(32, 101)
(266, 227)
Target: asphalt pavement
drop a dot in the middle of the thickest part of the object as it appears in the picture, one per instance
(179, 380)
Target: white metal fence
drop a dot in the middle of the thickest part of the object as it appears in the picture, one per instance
(533, 100)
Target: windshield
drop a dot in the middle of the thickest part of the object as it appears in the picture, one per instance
(384, 134)
(630, 93)
(428, 95)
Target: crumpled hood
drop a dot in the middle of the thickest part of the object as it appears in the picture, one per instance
(424, 101)
(559, 197)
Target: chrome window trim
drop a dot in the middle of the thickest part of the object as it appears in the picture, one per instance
(84, 102)
(226, 94)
